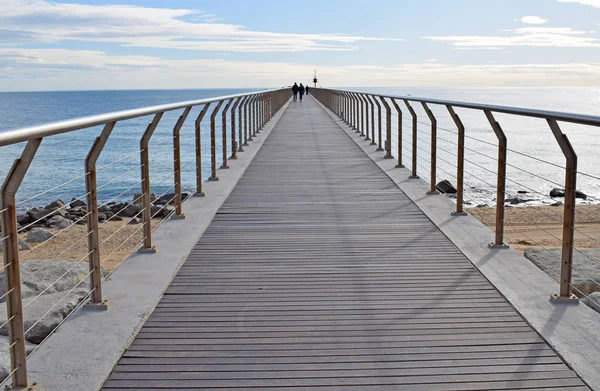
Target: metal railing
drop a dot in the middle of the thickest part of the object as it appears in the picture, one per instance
(254, 110)
(353, 108)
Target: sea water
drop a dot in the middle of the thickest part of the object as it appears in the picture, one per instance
(534, 158)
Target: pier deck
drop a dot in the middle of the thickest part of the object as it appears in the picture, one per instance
(318, 272)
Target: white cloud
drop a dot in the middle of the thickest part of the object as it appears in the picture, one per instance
(189, 29)
(532, 20)
(593, 3)
(61, 69)
(525, 36)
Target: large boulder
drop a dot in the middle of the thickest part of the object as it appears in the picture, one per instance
(59, 222)
(76, 203)
(446, 187)
(44, 313)
(46, 214)
(130, 211)
(517, 200)
(557, 192)
(5, 355)
(49, 276)
(24, 219)
(56, 204)
(38, 235)
(22, 245)
(585, 272)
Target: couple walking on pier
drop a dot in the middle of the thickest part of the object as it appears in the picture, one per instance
(299, 90)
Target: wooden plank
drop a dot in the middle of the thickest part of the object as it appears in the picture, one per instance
(318, 273)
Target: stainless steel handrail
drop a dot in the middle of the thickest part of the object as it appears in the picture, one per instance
(13, 136)
(576, 118)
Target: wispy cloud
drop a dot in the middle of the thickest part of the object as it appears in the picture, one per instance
(525, 36)
(532, 20)
(188, 29)
(593, 3)
(52, 69)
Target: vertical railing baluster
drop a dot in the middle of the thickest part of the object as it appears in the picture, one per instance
(362, 116)
(12, 272)
(379, 131)
(177, 163)
(433, 144)
(234, 142)
(501, 187)
(91, 190)
(145, 168)
(246, 103)
(213, 144)
(224, 135)
(460, 163)
(388, 129)
(399, 111)
(415, 129)
(199, 191)
(373, 140)
(568, 234)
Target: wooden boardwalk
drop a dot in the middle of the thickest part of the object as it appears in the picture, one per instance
(318, 273)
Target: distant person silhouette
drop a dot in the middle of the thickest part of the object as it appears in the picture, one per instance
(307, 88)
(301, 91)
(295, 91)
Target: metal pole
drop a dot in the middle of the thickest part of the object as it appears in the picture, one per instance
(146, 205)
(501, 187)
(12, 279)
(234, 142)
(356, 100)
(433, 180)
(199, 191)
(362, 117)
(247, 101)
(177, 163)
(379, 132)
(460, 164)
(399, 165)
(213, 143)
(566, 269)
(388, 129)
(91, 190)
(415, 129)
(372, 120)
(224, 128)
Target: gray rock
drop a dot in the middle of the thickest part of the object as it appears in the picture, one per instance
(24, 219)
(170, 198)
(56, 204)
(129, 211)
(46, 214)
(517, 200)
(55, 276)
(116, 218)
(38, 235)
(593, 301)
(59, 222)
(5, 355)
(79, 211)
(134, 221)
(104, 209)
(22, 245)
(102, 217)
(585, 271)
(41, 315)
(76, 203)
(557, 192)
(446, 187)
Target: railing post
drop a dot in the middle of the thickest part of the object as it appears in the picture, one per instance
(460, 164)
(388, 129)
(246, 102)
(199, 191)
(12, 279)
(234, 142)
(379, 131)
(256, 108)
(501, 187)
(356, 100)
(399, 111)
(362, 117)
(213, 144)
(370, 99)
(177, 163)
(146, 205)
(415, 129)
(433, 168)
(224, 127)
(566, 269)
(91, 190)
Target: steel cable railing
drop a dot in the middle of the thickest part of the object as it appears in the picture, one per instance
(420, 143)
(109, 235)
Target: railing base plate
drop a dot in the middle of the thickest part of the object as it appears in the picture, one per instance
(144, 250)
(213, 178)
(367, 138)
(556, 298)
(178, 217)
(224, 167)
(32, 387)
(459, 214)
(380, 149)
(97, 306)
(433, 193)
(498, 246)
(400, 165)
(232, 157)
(199, 194)
(388, 157)
(414, 177)
(373, 143)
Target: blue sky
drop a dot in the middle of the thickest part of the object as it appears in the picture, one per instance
(128, 44)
